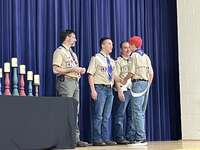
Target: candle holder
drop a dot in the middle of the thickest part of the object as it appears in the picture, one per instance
(36, 83)
(30, 80)
(15, 82)
(0, 87)
(30, 88)
(21, 85)
(7, 84)
(36, 90)
(0, 80)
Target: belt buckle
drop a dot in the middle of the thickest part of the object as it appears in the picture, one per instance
(108, 86)
(136, 80)
(61, 78)
(74, 78)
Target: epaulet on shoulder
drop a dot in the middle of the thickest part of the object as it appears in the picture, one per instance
(60, 47)
(93, 57)
(96, 55)
(118, 58)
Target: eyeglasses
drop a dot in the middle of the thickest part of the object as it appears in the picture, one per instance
(71, 36)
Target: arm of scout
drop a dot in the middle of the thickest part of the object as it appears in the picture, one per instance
(118, 84)
(82, 70)
(57, 69)
(151, 77)
(60, 70)
(91, 71)
(131, 70)
(128, 76)
(92, 88)
(151, 73)
(119, 91)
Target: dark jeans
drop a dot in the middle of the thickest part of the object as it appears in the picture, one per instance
(121, 111)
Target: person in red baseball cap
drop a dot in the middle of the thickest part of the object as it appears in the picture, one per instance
(141, 73)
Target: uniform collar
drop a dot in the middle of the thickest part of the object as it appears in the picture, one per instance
(140, 51)
(124, 57)
(65, 47)
(104, 54)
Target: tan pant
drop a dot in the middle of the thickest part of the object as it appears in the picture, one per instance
(69, 87)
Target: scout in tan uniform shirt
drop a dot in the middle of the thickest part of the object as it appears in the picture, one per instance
(68, 72)
(140, 67)
(98, 68)
(63, 58)
(102, 73)
(141, 74)
(122, 100)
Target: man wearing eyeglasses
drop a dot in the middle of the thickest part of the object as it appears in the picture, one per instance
(68, 72)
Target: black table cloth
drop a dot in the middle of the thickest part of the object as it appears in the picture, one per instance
(37, 123)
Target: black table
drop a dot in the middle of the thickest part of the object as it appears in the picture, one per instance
(37, 123)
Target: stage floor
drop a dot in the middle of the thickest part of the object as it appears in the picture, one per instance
(163, 145)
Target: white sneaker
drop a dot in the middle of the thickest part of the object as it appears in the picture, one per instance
(142, 142)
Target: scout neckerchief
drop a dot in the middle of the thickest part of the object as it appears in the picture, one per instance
(72, 55)
(140, 51)
(110, 69)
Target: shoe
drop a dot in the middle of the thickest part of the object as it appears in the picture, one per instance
(110, 143)
(131, 141)
(81, 144)
(99, 144)
(140, 142)
(122, 142)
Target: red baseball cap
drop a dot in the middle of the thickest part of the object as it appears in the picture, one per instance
(136, 40)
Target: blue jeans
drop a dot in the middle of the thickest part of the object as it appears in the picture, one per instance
(101, 111)
(139, 108)
(121, 111)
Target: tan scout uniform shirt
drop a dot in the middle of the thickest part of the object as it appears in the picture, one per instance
(140, 66)
(122, 70)
(63, 58)
(98, 68)
(121, 66)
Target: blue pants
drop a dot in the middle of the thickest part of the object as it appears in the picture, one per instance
(101, 111)
(138, 109)
(121, 111)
